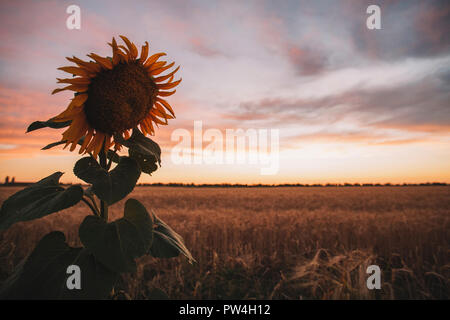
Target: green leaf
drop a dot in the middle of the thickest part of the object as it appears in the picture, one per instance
(47, 124)
(118, 243)
(144, 150)
(113, 156)
(109, 186)
(167, 243)
(38, 200)
(147, 163)
(54, 144)
(43, 275)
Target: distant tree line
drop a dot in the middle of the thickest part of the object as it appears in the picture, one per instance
(238, 185)
(7, 181)
(12, 182)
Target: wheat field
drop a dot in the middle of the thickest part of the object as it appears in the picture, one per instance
(278, 243)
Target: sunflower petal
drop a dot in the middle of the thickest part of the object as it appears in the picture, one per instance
(149, 126)
(144, 52)
(156, 65)
(96, 144)
(126, 134)
(74, 108)
(144, 128)
(166, 93)
(108, 142)
(153, 59)
(157, 120)
(158, 113)
(75, 70)
(74, 80)
(72, 87)
(104, 62)
(89, 67)
(116, 56)
(77, 129)
(160, 107)
(87, 139)
(166, 104)
(167, 76)
(132, 48)
(77, 61)
(169, 85)
(158, 71)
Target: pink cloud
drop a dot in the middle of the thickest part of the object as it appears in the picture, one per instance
(200, 46)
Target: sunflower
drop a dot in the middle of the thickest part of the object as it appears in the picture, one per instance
(114, 95)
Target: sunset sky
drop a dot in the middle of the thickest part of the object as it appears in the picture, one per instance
(351, 104)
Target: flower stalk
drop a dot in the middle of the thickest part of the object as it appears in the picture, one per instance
(103, 204)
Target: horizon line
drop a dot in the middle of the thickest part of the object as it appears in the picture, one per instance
(192, 184)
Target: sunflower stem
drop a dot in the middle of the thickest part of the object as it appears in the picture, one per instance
(94, 210)
(103, 204)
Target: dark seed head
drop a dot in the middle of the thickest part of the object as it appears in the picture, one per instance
(120, 98)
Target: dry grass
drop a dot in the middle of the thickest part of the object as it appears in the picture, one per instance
(280, 243)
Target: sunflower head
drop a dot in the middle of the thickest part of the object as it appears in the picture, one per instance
(114, 95)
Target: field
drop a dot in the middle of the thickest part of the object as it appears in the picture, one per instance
(279, 243)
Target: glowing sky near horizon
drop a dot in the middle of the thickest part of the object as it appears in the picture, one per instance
(351, 104)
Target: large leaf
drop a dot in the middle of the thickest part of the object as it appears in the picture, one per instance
(109, 186)
(43, 275)
(54, 144)
(113, 156)
(144, 150)
(147, 163)
(118, 243)
(38, 200)
(48, 124)
(166, 242)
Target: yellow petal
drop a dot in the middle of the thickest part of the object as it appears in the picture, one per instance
(104, 62)
(147, 122)
(158, 71)
(155, 66)
(167, 76)
(96, 144)
(166, 93)
(73, 87)
(169, 85)
(166, 104)
(83, 64)
(108, 142)
(77, 129)
(161, 108)
(144, 128)
(126, 134)
(115, 50)
(153, 59)
(132, 48)
(75, 70)
(72, 110)
(87, 139)
(75, 80)
(156, 120)
(144, 53)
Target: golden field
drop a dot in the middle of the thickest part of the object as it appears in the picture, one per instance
(279, 242)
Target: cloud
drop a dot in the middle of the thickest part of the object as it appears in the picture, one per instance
(409, 29)
(200, 47)
(307, 62)
(407, 113)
